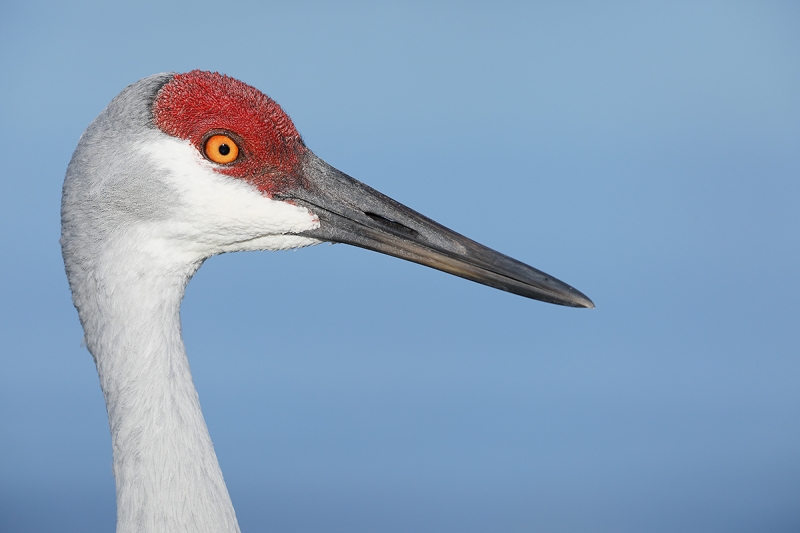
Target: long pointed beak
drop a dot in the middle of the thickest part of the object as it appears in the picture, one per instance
(353, 213)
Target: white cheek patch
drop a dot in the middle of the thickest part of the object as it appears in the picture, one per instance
(220, 213)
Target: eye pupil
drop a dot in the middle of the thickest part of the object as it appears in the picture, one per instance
(224, 149)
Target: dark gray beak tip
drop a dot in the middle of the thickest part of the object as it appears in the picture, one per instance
(552, 290)
(583, 301)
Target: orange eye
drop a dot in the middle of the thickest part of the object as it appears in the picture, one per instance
(221, 149)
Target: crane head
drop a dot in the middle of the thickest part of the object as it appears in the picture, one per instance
(202, 164)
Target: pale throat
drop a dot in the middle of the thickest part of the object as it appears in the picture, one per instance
(163, 454)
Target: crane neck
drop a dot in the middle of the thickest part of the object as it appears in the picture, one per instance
(167, 474)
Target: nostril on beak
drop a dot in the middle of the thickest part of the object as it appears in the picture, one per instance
(393, 225)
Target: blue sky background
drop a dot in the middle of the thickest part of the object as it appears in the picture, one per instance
(647, 153)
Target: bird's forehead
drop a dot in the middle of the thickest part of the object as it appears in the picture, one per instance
(192, 105)
(199, 100)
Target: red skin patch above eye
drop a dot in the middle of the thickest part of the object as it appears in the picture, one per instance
(195, 104)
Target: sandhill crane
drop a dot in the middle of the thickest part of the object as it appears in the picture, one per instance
(177, 168)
